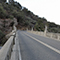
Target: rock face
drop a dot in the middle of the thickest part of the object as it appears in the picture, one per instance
(5, 25)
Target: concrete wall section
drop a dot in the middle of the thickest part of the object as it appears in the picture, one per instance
(50, 35)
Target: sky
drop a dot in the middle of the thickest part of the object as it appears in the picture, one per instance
(50, 9)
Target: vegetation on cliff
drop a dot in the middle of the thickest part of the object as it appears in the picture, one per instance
(26, 18)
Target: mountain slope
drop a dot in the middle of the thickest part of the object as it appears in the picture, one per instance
(26, 19)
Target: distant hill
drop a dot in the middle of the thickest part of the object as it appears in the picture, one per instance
(26, 19)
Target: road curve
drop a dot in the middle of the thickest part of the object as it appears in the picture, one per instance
(34, 50)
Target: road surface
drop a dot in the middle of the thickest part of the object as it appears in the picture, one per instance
(35, 47)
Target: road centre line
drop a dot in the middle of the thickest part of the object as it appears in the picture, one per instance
(52, 48)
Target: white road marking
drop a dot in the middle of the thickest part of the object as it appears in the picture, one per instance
(47, 37)
(52, 48)
(19, 51)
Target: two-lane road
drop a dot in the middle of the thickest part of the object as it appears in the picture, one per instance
(35, 47)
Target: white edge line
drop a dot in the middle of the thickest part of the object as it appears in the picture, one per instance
(47, 37)
(52, 48)
(19, 51)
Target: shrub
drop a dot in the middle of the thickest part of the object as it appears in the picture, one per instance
(2, 38)
(2, 12)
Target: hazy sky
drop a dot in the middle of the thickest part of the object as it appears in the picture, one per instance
(50, 9)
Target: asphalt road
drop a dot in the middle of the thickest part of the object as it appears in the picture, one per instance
(35, 47)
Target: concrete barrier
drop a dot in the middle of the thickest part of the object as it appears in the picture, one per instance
(6, 50)
(11, 33)
(53, 35)
(50, 35)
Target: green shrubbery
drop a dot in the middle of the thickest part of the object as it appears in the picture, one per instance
(1, 34)
(2, 12)
(1, 1)
(2, 38)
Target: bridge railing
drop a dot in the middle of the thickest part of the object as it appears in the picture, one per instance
(6, 50)
(50, 35)
(53, 35)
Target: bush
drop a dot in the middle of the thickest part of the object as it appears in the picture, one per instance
(2, 38)
(1, 34)
(26, 23)
(11, 16)
(2, 12)
(39, 25)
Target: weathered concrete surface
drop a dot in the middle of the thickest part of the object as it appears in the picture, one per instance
(50, 35)
(5, 52)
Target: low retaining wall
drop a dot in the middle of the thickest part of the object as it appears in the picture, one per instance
(6, 50)
(53, 35)
(50, 35)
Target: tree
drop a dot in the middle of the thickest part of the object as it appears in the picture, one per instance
(2, 1)
(2, 12)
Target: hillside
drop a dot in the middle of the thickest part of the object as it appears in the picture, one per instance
(26, 19)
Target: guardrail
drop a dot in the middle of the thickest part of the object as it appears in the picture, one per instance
(6, 50)
(50, 35)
